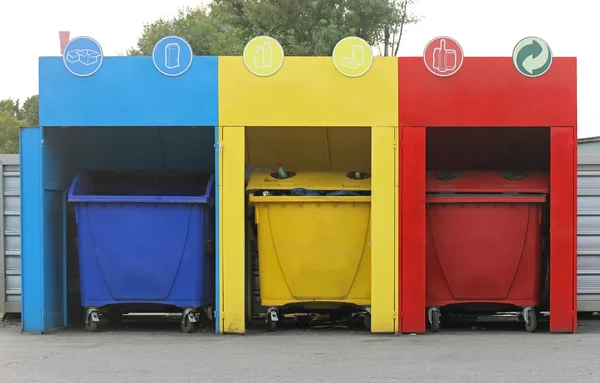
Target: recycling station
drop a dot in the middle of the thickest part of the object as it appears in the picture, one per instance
(405, 191)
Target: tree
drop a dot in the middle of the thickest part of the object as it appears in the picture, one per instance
(303, 27)
(9, 132)
(14, 116)
(30, 111)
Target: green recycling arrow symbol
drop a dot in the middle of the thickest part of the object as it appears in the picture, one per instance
(532, 57)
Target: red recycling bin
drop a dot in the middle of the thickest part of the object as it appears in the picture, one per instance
(484, 241)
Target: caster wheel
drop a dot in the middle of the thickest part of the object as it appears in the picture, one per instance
(435, 321)
(187, 326)
(271, 324)
(90, 325)
(367, 321)
(531, 324)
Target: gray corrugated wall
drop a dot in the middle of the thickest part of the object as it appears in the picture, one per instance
(10, 261)
(588, 227)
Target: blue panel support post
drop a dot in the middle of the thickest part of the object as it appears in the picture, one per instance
(31, 229)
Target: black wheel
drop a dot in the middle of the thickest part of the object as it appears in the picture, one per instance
(187, 326)
(90, 325)
(531, 325)
(367, 321)
(271, 325)
(435, 321)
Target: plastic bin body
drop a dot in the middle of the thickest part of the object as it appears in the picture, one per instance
(313, 249)
(144, 239)
(484, 239)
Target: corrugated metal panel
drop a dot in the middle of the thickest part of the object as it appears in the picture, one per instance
(10, 262)
(588, 232)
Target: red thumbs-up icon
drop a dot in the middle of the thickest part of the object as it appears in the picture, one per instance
(443, 56)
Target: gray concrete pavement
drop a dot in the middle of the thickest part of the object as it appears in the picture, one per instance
(151, 355)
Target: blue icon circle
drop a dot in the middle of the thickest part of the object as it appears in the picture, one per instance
(172, 56)
(83, 56)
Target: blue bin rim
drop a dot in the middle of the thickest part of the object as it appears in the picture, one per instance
(139, 199)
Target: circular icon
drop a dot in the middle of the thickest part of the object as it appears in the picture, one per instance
(83, 56)
(352, 56)
(172, 56)
(263, 56)
(532, 57)
(443, 56)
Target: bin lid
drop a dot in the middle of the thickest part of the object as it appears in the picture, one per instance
(487, 182)
(312, 180)
(121, 187)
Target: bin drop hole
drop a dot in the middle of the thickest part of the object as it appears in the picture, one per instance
(288, 175)
(358, 175)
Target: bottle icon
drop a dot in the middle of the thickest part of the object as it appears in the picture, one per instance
(444, 59)
(259, 57)
(263, 57)
(280, 172)
(268, 54)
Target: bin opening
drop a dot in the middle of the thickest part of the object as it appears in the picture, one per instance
(101, 186)
(287, 176)
(356, 175)
(487, 148)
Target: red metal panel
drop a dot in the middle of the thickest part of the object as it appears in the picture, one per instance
(563, 227)
(487, 91)
(412, 239)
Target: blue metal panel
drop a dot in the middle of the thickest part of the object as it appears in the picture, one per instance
(128, 91)
(31, 229)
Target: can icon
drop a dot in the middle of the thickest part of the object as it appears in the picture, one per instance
(172, 51)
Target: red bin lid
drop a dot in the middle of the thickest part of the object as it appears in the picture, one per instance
(487, 182)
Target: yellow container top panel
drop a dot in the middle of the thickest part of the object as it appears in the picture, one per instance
(308, 91)
(314, 180)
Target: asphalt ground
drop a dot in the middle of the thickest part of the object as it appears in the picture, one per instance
(155, 351)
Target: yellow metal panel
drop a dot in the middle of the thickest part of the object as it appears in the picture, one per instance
(396, 229)
(383, 231)
(233, 231)
(308, 91)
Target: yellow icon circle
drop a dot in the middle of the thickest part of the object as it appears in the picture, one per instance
(352, 56)
(263, 56)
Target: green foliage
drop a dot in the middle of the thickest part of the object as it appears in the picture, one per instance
(14, 116)
(9, 133)
(303, 27)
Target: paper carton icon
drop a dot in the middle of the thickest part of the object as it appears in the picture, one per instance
(84, 56)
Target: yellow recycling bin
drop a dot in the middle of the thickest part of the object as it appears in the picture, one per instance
(314, 239)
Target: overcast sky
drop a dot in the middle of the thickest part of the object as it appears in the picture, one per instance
(29, 28)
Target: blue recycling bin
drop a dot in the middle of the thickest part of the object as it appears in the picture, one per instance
(145, 240)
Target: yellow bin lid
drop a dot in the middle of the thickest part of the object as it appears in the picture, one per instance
(311, 180)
